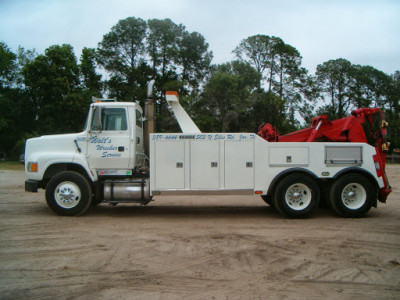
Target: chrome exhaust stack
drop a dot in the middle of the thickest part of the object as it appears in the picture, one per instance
(148, 117)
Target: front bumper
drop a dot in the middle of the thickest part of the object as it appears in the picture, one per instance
(32, 185)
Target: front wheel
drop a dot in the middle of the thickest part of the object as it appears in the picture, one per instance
(69, 194)
(352, 196)
(297, 196)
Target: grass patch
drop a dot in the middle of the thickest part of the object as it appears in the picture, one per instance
(11, 165)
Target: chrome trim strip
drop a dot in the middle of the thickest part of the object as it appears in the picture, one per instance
(202, 192)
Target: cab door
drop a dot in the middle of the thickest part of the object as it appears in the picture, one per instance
(108, 143)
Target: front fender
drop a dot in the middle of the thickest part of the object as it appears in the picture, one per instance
(46, 160)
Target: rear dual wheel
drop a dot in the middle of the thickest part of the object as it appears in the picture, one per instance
(352, 196)
(297, 196)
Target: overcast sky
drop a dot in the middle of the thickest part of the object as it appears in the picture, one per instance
(365, 32)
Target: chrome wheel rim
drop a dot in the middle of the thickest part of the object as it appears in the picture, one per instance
(298, 196)
(354, 196)
(67, 194)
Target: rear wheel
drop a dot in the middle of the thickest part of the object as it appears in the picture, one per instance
(297, 196)
(69, 194)
(352, 196)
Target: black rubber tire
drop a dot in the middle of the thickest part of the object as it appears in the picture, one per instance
(289, 204)
(345, 206)
(82, 188)
(267, 199)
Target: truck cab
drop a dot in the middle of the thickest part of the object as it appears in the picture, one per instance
(111, 146)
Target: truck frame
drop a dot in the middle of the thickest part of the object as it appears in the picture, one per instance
(118, 158)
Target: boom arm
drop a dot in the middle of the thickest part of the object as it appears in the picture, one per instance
(347, 129)
(185, 122)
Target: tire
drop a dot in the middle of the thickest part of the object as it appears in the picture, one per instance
(267, 199)
(352, 196)
(297, 196)
(69, 194)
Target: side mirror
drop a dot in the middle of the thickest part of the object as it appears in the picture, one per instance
(96, 121)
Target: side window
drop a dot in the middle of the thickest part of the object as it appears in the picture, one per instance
(139, 121)
(111, 119)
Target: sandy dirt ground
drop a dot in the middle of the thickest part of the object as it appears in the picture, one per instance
(201, 247)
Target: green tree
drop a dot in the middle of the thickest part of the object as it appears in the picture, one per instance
(279, 66)
(370, 87)
(221, 96)
(225, 102)
(267, 108)
(335, 81)
(193, 58)
(277, 62)
(51, 79)
(17, 110)
(247, 76)
(8, 66)
(91, 80)
(162, 49)
(17, 120)
(162, 45)
(289, 82)
(179, 58)
(24, 57)
(122, 53)
(191, 65)
(233, 102)
(256, 50)
(393, 111)
(134, 51)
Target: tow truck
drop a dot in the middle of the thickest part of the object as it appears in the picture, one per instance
(118, 158)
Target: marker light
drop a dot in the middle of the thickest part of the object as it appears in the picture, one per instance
(32, 167)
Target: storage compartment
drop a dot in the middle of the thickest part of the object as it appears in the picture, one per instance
(239, 165)
(288, 156)
(339, 155)
(170, 166)
(197, 163)
(204, 164)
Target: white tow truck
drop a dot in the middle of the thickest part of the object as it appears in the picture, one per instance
(119, 159)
